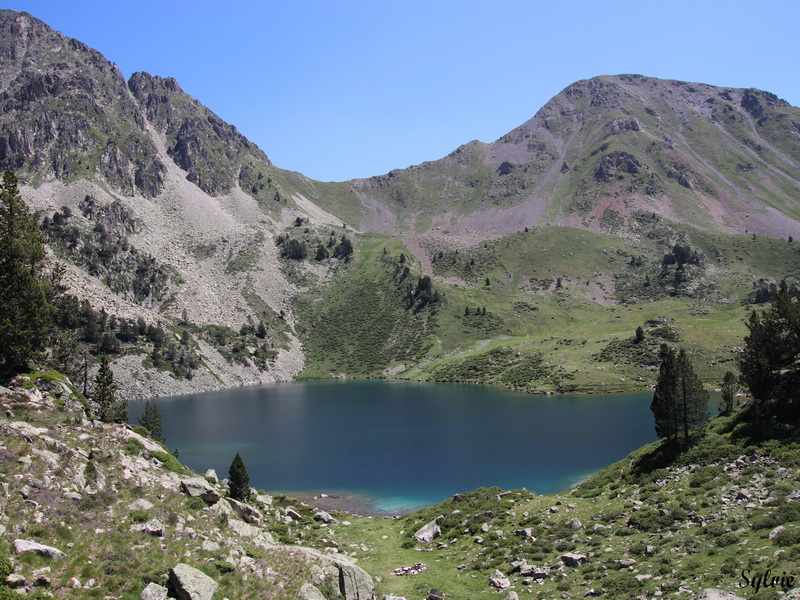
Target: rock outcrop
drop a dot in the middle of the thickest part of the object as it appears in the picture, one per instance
(187, 583)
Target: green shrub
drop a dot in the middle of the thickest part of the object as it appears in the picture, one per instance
(139, 516)
(223, 566)
(141, 430)
(131, 447)
(783, 513)
(622, 585)
(6, 567)
(170, 462)
(649, 520)
(788, 537)
(195, 503)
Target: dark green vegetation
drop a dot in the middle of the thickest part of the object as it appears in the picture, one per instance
(151, 421)
(239, 480)
(375, 315)
(109, 409)
(600, 316)
(680, 403)
(26, 289)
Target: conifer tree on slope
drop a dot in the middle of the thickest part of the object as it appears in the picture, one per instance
(680, 402)
(26, 310)
(110, 410)
(692, 396)
(665, 402)
(151, 420)
(770, 361)
(239, 480)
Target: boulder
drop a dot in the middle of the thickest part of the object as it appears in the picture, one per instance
(212, 475)
(246, 512)
(21, 546)
(140, 504)
(526, 533)
(198, 487)
(776, 532)
(187, 583)
(434, 594)
(574, 524)
(715, 594)
(154, 591)
(535, 571)
(321, 515)
(624, 563)
(512, 596)
(572, 559)
(499, 581)
(310, 592)
(429, 532)
(16, 580)
(355, 583)
(154, 527)
(293, 514)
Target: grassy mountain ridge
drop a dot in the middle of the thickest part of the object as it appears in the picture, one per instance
(690, 152)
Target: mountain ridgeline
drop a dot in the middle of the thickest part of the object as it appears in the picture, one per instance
(625, 203)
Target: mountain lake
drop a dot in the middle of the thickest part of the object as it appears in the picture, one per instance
(401, 445)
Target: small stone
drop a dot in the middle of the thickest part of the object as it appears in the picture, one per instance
(154, 591)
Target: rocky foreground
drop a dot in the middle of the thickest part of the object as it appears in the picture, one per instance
(96, 510)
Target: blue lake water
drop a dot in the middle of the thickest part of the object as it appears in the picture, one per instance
(402, 444)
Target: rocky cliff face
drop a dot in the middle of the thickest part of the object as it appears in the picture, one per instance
(67, 112)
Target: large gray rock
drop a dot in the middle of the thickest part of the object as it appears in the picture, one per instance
(154, 591)
(198, 487)
(21, 546)
(499, 581)
(321, 515)
(310, 592)
(715, 594)
(429, 532)
(574, 524)
(187, 583)
(572, 559)
(355, 583)
(246, 512)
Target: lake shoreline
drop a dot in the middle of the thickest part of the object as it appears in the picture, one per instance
(359, 505)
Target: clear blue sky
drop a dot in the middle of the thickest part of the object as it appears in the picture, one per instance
(338, 90)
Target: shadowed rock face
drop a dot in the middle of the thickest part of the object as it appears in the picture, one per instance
(66, 112)
(187, 583)
(355, 583)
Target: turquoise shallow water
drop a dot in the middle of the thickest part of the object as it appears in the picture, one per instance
(403, 445)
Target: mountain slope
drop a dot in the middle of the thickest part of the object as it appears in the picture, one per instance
(715, 157)
(165, 214)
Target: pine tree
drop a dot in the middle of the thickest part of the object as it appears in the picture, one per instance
(664, 404)
(680, 403)
(728, 392)
(151, 420)
(109, 409)
(770, 361)
(26, 310)
(692, 396)
(239, 480)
